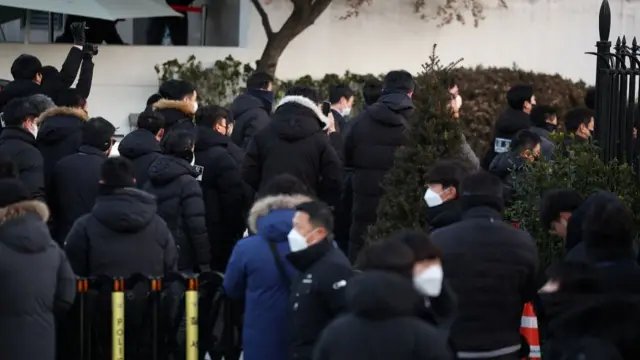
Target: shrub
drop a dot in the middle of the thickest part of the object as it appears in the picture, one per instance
(434, 135)
(483, 89)
(581, 169)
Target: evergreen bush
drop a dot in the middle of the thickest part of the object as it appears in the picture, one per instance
(433, 136)
(580, 169)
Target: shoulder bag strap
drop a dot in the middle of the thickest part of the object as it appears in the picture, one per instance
(279, 264)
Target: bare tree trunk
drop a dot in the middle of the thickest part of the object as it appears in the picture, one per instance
(304, 14)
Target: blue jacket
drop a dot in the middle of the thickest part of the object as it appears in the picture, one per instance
(252, 275)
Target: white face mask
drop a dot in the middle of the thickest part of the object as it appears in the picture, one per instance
(34, 130)
(346, 111)
(432, 198)
(195, 107)
(429, 281)
(297, 242)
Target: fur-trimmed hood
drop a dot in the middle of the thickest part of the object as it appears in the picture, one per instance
(268, 204)
(62, 111)
(306, 102)
(23, 227)
(182, 106)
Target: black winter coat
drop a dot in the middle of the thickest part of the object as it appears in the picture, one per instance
(370, 146)
(75, 185)
(121, 236)
(381, 324)
(295, 143)
(250, 115)
(19, 145)
(225, 194)
(510, 168)
(178, 115)
(318, 294)
(547, 146)
(492, 267)
(508, 125)
(36, 281)
(142, 148)
(59, 135)
(172, 181)
(18, 89)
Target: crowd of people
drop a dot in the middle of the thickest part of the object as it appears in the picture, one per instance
(279, 197)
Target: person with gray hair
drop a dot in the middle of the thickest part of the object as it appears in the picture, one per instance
(41, 102)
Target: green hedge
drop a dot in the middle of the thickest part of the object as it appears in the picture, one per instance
(483, 89)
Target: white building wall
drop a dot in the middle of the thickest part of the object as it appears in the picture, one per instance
(542, 35)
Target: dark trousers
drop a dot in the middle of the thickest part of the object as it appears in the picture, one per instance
(343, 213)
(178, 30)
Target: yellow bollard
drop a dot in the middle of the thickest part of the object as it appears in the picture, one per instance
(191, 309)
(117, 320)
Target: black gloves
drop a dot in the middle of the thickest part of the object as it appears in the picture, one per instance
(77, 30)
(89, 51)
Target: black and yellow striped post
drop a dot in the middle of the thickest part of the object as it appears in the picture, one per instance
(191, 310)
(82, 286)
(156, 294)
(117, 319)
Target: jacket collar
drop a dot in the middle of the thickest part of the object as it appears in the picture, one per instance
(482, 212)
(15, 132)
(304, 259)
(90, 150)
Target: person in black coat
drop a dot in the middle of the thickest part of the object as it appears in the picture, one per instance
(178, 105)
(122, 235)
(318, 294)
(225, 195)
(60, 131)
(75, 177)
(172, 180)
(295, 143)
(35, 277)
(521, 101)
(557, 210)
(370, 145)
(579, 123)
(27, 72)
(381, 315)
(251, 111)
(18, 143)
(442, 195)
(492, 267)
(142, 145)
(341, 98)
(57, 81)
(544, 121)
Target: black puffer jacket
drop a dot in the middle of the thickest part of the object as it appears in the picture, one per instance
(510, 168)
(172, 181)
(178, 115)
(36, 281)
(121, 236)
(492, 267)
(75, 185)
(318, 293)
(508, 125)
(19, 145)
(226, 198)
(381, 315)
(370, 146)
(250, 114)
(295, 143)
(59, 135)
(142, 148)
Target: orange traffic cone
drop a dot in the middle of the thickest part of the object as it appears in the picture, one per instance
(529, 329)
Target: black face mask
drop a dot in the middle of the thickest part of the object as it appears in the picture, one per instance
(551, 127)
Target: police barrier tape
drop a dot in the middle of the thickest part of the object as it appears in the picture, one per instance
(141, 317)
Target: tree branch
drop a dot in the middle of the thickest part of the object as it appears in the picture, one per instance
(266, 24)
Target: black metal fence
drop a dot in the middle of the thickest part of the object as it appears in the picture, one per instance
(617, 81)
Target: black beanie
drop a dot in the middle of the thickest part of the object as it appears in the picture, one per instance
(12, 191)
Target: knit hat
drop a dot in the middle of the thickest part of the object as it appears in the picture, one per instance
(12, 191)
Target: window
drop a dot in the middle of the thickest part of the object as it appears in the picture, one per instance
(40, 20)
